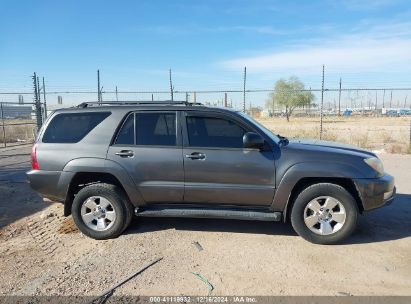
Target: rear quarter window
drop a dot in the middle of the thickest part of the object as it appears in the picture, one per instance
(72, 127)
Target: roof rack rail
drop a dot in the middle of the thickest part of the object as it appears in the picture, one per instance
(122, 103)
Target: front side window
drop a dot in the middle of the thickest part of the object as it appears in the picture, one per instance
(72, 127)
(214, 132)
(149, 129)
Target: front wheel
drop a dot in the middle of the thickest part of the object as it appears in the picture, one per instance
(324, 213)
(101, 211)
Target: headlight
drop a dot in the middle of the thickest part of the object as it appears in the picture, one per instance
(376, 164)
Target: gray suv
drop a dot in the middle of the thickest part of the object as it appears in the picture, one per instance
(107, 162)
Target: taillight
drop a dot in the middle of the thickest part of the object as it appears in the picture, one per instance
(34, 162)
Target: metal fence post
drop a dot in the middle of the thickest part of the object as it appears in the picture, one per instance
(339, 100)
(171, 87)
(98, 87)
(4, 128)
(322, 105)
(45, 102)
(245, 78)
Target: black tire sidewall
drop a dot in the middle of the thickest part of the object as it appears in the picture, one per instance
(114, 195)
(324, 189)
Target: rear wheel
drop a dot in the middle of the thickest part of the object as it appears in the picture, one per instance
(101, 211)
(324, 213)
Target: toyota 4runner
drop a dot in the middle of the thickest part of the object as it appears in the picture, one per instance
(108, 162)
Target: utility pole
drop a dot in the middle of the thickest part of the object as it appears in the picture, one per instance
(339, 100)
(186, 96)
(245, 78)
(116, 94)
(391, 100)
(383, 99)
(195, 97)
(152, 97)
(98, 87)
(44, 98)
(322, 104)
(171, 87)
(37, 101)
(225, 99)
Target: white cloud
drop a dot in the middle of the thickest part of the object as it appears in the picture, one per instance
(377, 48)
(368, 4)
(195, 29)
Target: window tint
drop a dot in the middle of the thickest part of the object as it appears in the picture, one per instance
(126, 134)
(214, 132)
(72, 127)
(158, 129)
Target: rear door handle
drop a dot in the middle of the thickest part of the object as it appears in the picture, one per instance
(196, 155)
(125, 153)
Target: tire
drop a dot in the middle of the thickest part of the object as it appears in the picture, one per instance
(102, 211)
(314, 204)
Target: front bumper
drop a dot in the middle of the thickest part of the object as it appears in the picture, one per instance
(375, 192)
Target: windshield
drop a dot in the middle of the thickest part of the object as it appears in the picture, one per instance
(273, 136)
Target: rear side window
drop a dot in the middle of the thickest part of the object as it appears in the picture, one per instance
(126, 134)
(214, 132)
(148, 129)
(72, 127)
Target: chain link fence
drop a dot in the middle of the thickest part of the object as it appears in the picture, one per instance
(20, 120)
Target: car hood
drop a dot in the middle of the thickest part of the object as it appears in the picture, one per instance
(318, 144)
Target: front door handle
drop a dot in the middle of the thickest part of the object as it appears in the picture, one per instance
(125, 153)
(196, 155)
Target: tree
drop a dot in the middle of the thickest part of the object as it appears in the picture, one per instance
(289, 94)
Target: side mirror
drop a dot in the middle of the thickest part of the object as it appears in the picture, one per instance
(252, 140)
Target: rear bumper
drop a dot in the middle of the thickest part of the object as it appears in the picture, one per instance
(50, 184)
(376, 192)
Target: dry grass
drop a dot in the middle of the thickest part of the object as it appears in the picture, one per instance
(17, 133)
(374, 133)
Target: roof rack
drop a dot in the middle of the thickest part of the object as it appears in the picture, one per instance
(122, 103)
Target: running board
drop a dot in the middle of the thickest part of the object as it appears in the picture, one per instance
(195, 212)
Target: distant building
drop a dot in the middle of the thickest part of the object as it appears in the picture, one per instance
(16, 111)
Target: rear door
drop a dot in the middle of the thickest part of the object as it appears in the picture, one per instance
(218, 170)
(148, 146)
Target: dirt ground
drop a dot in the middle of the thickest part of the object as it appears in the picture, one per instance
(42, 253)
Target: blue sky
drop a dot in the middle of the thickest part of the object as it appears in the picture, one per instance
(205, 43)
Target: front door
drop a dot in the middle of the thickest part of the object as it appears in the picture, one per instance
(149, 148)
(218, 170)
